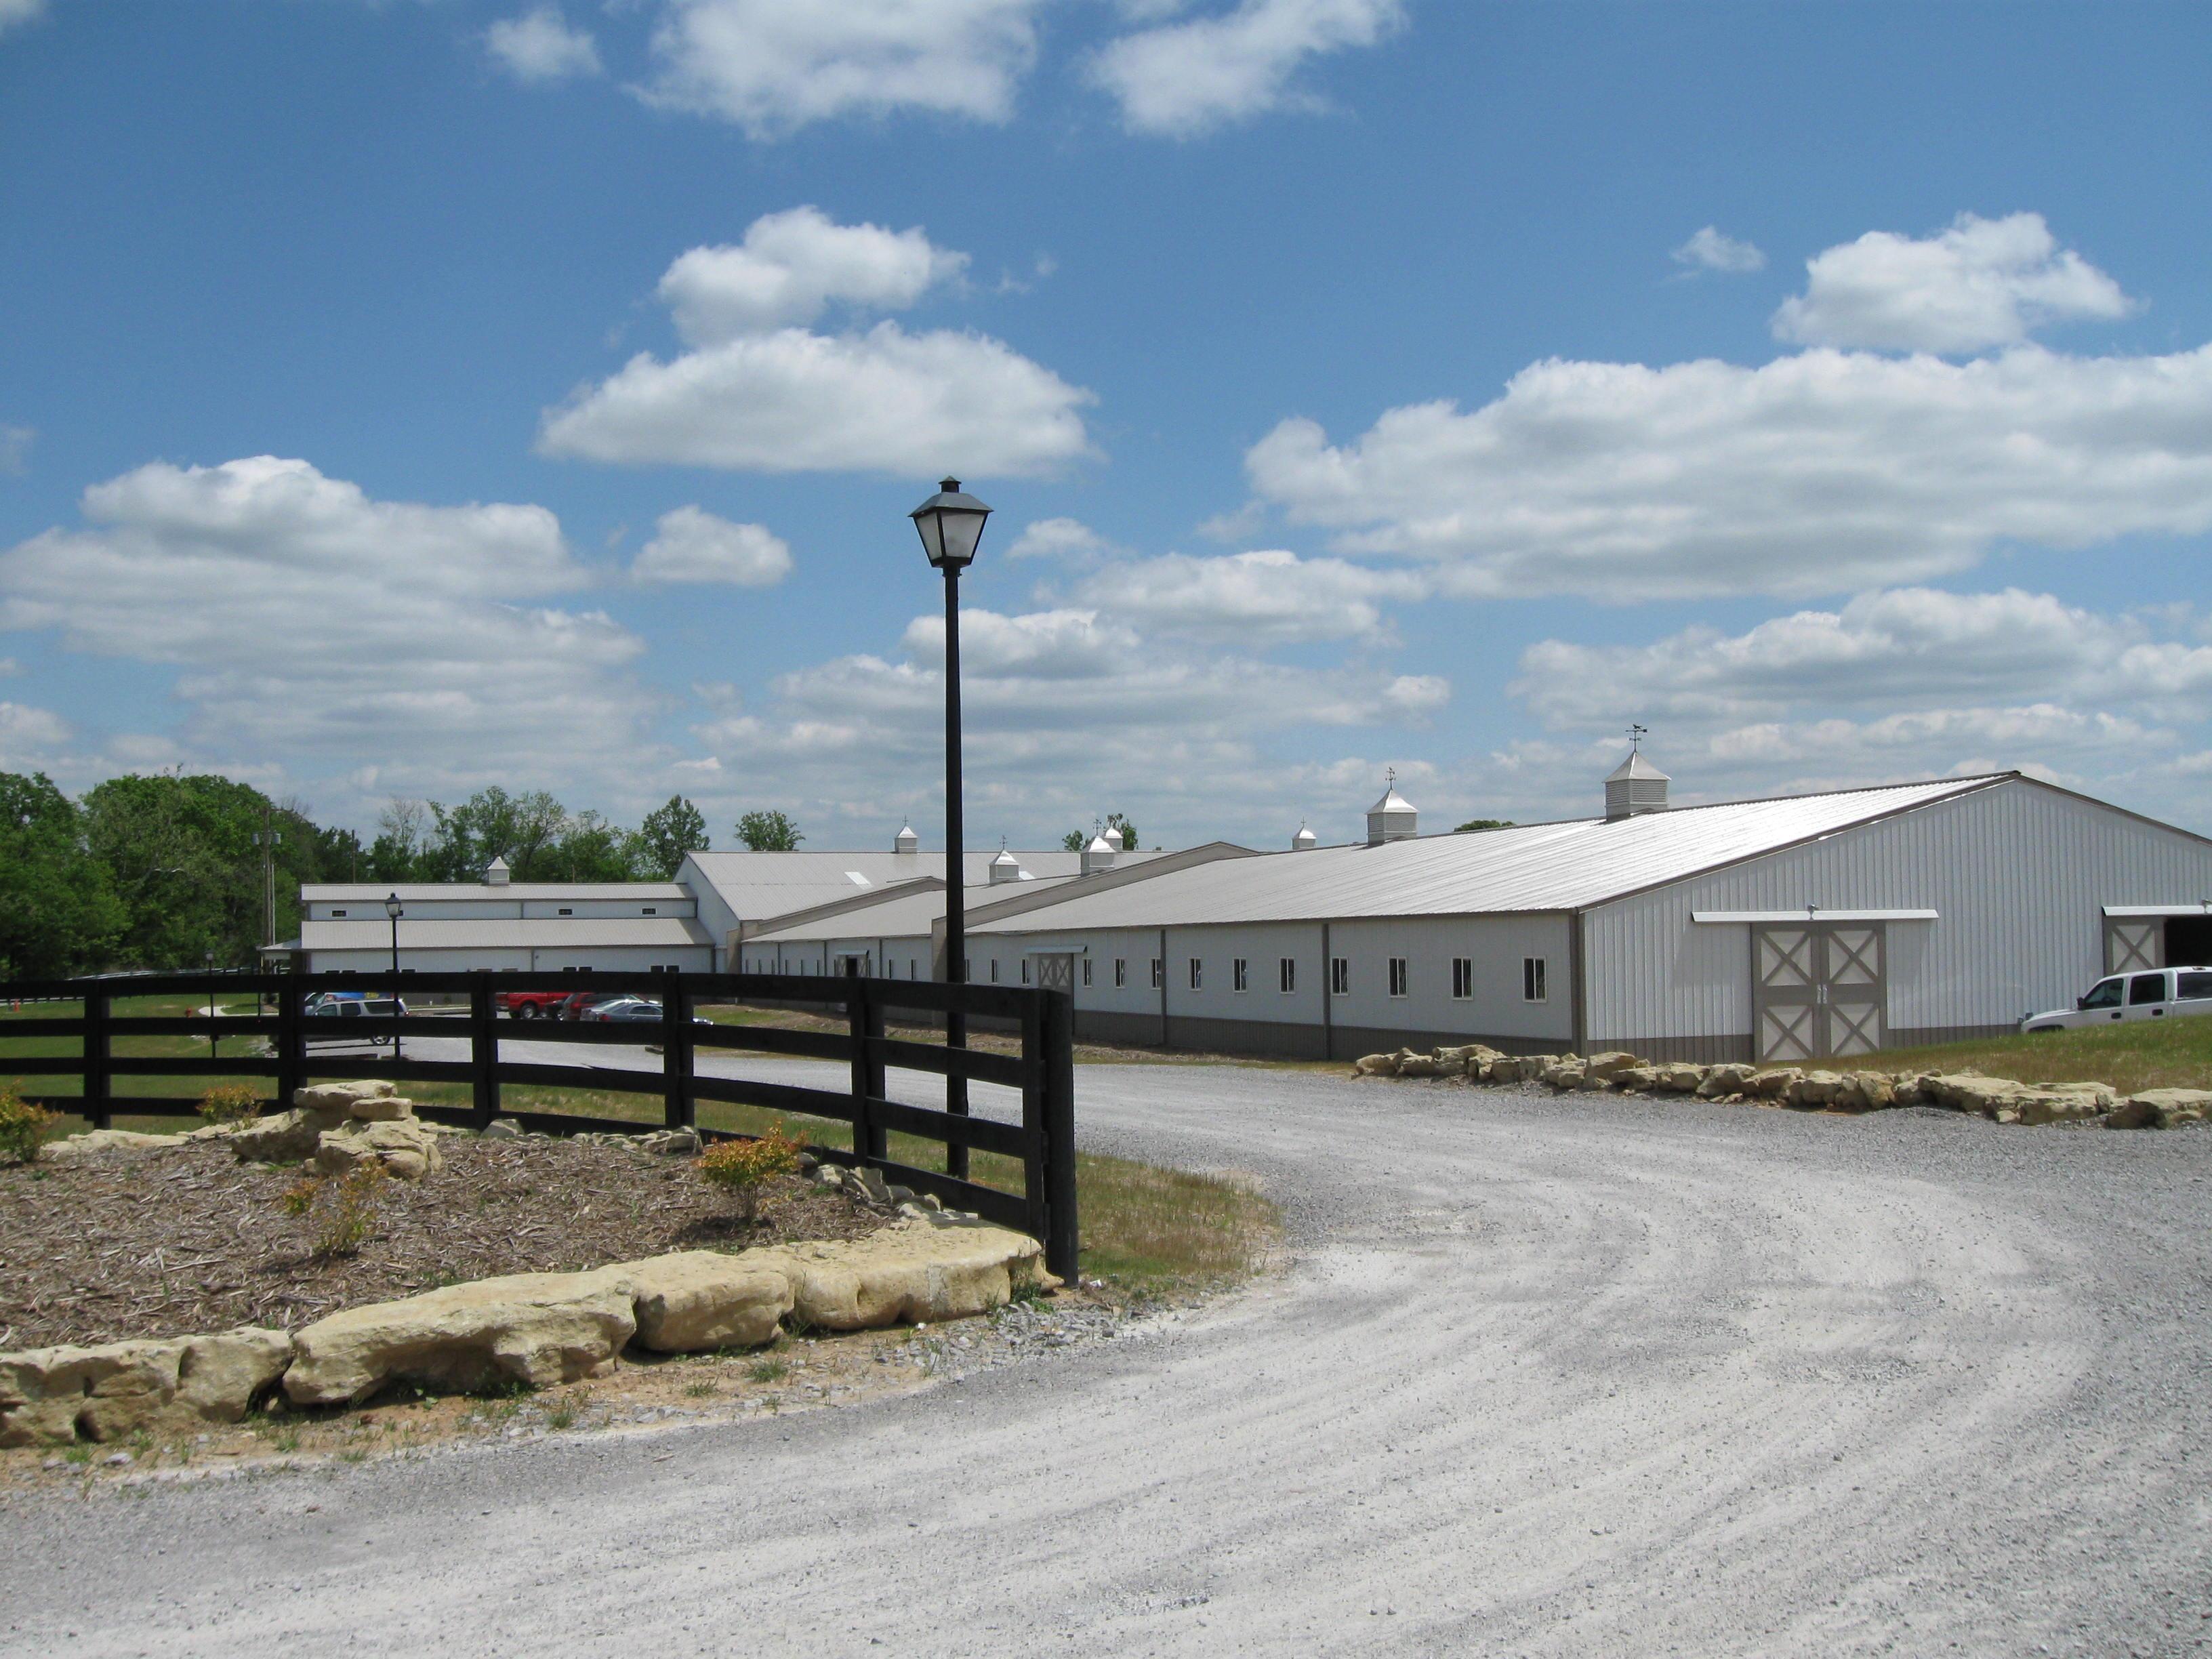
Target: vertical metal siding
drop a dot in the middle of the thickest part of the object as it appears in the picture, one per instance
(2019, 875)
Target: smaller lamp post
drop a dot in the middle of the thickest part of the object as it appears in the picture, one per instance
(215, 1043)
(391, 908)
(951, 524)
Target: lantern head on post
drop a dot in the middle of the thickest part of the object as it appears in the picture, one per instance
(950, 524)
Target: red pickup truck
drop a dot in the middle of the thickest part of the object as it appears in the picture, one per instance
(531, 1005)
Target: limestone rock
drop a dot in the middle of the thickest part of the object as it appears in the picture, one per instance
(1376, 1065)
(671, 1143)
(405, 1149)
(2065, 1103)
(220, 1376)
(340, 1097)
(1774, 1084)
(96, 1143)
(1865, 1092)
(1731, 1077)
(381, 1109)
(1681, 1076)
(1564, 1073)
(702, 1299)
(2163, 1109)
(500, 1129)
(1636, 1079)
(285, 1138)
(1606, 1066)
(536, 1329)
(915, 1270)
(1814, 1091)
(1429, 1066)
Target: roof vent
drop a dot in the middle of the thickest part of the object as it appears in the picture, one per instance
(1305, 840)
(495, 874)
(1636, 786)
(906, 841)
(1393, 818)
(1006, 868)
(1098, 856)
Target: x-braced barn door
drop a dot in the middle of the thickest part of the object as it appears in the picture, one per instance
(1819, 991)
(1056, 973)
(2134, 942)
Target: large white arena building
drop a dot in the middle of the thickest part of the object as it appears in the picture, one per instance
(1788, 928)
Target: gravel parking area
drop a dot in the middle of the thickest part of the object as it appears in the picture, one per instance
(1586, 1375)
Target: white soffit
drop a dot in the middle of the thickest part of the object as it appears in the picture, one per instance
(1725, 918)
(2190, 908)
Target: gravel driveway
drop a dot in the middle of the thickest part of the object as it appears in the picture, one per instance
(1585, 1376)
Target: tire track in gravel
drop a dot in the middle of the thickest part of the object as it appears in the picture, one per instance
(1590, 1375)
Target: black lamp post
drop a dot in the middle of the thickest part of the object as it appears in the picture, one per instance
(391, 910)
(951, 524)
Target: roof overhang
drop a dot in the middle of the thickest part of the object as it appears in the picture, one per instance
(2188, 908)
(1805, 912)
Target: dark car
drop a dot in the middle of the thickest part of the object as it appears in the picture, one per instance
(624, 1011)
(347, 1018)
(573, 1004)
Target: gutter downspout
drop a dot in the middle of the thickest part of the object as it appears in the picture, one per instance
(1328, 999)
(1579, 1017)
(1163, 988)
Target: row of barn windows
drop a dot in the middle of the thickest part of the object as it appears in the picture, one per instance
(1534, 974)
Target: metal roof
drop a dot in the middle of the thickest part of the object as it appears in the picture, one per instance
(755, 886)
(1636, 766)
(366, 892)
(543, 933)
(1544, 867)
(900, 915)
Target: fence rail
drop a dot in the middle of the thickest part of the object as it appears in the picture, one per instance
(1043, 1142)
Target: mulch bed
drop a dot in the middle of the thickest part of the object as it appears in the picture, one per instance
(177, 1241)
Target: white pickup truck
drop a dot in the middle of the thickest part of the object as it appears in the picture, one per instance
(2157, 994)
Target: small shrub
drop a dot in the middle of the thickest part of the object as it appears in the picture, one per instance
(342, 1208)
(230, 1103)
(768, 1370)
(23, 1127)
(742, 1168)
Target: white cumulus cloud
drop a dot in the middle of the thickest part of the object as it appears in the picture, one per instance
(691, 545)
(1058, 538)
(754, 395)
(792, 266)
(1182, 78)
(1709, 250)
(773, 66)
(308, 621)
(13, 12)
(538, 46)
(1981, 282)
(1267, 598)
(1822, 471)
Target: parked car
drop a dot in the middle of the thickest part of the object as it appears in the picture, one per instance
(2155, 993)
(573, 1004)
(623, 1010)
(531, 1005)
(345, 1016)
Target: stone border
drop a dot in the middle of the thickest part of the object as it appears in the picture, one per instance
(2000, 1099)
(531, 1330)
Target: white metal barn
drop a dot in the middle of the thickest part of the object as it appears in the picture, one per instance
(1781, 929)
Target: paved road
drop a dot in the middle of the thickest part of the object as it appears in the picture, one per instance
(1575, 1377)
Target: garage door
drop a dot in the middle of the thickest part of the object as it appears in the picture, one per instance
(1056, 972)
(1819, 991)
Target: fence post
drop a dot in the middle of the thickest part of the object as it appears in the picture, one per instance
(864, 1020)
(677, 1108)
(1062, 1238)
(96, 1091)
(1035, 1142)
(484, 1051)
(291, 1050)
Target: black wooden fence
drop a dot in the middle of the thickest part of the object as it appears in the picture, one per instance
(1043, 1143)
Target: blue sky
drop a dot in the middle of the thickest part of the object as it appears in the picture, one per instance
(400, 398)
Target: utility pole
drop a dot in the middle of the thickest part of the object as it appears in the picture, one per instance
(267, 841)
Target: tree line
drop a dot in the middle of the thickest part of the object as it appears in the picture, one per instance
(169, 871)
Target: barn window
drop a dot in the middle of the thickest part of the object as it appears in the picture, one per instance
(1159, 973)
(1289, 973)
(1025, 970)
(1121, 972)
(567, 910)
(1397, 976)
(1237, 978)
(994, 970)
(650, 910)
(1339, 977)
(337, 914)
(1197, 973)
(1533, 977)
(1086, 973)
(1462, 978)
